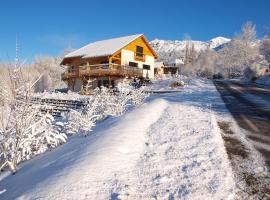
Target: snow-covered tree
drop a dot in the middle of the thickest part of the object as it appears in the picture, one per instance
(192, 55)
(50, 71)
(43, 83)
(206, 63)
(24, 130)
(248, 33)
(265, 47)
(240, 52)
(46, 67)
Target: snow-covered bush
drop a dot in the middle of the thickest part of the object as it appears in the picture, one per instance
(83, 121)
(177, 84)
(26, 132)
(102, 104)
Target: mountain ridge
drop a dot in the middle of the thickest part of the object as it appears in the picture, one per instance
(170, 50)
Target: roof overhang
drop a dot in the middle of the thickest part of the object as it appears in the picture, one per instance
(65, 59)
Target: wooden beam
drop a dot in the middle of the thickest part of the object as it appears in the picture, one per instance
(110, 61)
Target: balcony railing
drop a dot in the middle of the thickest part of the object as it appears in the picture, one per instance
(139, 56)
(68, 74)
(100, 70)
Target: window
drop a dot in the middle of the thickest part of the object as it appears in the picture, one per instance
(139, 51)
(112, 83)
(133, 64)
(83, 66)
(147, 67)
(71, 69)
(99, 83)
(106, 83)
(105, 64)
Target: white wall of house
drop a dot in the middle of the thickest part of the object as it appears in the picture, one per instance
(149, 60)
(128, 56)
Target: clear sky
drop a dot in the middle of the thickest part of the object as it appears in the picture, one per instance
(46, 27)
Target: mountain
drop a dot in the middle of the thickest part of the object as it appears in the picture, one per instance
(169, 50)
(218, 41)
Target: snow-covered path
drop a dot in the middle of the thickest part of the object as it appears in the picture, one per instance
(184, 158)
(170, 148)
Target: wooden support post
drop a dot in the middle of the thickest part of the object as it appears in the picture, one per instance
(110, 61)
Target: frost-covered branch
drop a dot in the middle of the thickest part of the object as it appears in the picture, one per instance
(24, 130)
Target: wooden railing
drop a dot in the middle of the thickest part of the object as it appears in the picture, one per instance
(100, 70)
(139, 56)
(67, 75)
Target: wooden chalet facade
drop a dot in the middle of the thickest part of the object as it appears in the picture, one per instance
(162, 69)
(105, 63)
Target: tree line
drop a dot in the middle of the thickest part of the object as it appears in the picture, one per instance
(244, 56)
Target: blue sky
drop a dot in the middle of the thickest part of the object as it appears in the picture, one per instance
(49, 26)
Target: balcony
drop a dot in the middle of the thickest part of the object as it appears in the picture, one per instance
(139, 56)
(68, 75)
(104, 70)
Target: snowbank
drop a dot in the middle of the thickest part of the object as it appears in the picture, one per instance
(264, 80)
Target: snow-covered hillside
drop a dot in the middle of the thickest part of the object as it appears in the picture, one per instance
(170, 148)
(169, 50)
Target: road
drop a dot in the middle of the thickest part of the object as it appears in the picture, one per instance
(250, 106)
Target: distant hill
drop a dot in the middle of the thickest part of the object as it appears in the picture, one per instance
(169, 50)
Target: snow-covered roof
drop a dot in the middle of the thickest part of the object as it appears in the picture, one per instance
(159, 64)
(103, 47)
(176, 62)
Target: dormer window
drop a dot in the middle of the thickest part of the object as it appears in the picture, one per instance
(139, 51)
(139, 54)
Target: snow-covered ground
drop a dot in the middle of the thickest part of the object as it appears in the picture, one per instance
(169, 148)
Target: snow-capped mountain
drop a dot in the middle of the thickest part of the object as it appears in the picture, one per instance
(169, 50)
(218, 41)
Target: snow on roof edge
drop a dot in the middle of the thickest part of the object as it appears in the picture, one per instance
(111, 51)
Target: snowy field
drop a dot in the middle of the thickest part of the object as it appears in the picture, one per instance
(169, 148)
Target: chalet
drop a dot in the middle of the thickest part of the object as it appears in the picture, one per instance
(107, 62)
(171, 68)
(159, 68)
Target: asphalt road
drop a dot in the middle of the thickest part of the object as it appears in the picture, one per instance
(250, 106)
